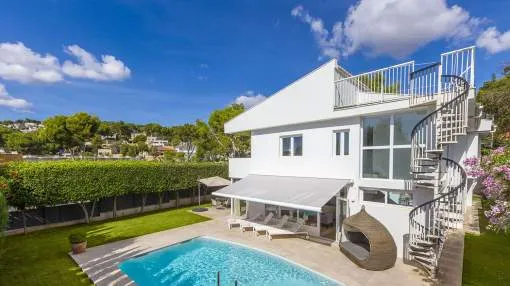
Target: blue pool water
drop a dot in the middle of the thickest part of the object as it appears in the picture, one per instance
(197, 261)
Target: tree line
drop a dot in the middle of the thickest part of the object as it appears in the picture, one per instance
(82, 134)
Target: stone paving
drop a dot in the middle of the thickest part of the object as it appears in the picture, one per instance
(100, 262)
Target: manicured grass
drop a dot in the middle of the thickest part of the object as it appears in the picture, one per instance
(41, 258)
(486, 257)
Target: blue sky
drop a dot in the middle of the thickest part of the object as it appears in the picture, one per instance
(172, 62)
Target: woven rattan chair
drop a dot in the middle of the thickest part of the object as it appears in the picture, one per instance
(370, 244)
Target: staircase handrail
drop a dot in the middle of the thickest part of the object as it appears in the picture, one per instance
(445, 105)
(461, 184)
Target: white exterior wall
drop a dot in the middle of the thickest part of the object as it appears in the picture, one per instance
(318, 159)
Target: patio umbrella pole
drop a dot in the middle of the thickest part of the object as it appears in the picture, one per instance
(199, 208)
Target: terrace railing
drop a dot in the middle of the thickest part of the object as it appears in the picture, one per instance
(376, 86)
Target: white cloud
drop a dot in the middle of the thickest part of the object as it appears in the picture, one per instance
(19, 63)
(249, 99)
(329, 44)
(392, 27)
(494, 41)
(12, 102)
(109, 68)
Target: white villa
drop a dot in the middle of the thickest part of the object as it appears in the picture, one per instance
(392, 140)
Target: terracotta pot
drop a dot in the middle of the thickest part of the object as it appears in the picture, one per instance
(79, 247)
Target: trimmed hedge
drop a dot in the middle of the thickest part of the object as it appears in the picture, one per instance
(76, 181)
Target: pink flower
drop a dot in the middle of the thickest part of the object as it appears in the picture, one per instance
(499, 150)
(504, 170)
(492, 188)
(471, 162)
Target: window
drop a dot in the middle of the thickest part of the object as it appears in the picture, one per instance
(309, 217)
(297, 146)
(292, 145)
(374, 196)
(400, 198)
(386, 149)
(291, 213)
(391, 197)
(341, 143)
(271, 209)
(286, 151)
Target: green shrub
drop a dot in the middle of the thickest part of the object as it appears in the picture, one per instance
(76, 181)
(77, 238)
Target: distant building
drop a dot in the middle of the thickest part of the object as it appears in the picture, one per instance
(155, 141)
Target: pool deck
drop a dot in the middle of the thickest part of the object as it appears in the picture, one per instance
(100, 262)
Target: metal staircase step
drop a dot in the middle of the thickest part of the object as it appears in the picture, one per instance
(430, 261)
(447, 142)
(428, 254)
(437, 151)
(420, 248)
(422, 242)
(427, 267)
(431, 183)
(425, 159)
(432, 188)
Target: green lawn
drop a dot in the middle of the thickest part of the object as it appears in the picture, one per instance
(486, 257)
(41, 258)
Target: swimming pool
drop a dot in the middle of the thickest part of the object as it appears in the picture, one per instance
(197, 262)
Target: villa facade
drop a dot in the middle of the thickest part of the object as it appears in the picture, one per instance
(392, 140)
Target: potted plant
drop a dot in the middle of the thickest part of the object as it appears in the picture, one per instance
(78, 242)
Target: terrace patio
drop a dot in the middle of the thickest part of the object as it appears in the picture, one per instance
(100, 263)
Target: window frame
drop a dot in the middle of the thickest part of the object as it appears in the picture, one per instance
(386, 196)
(391, 147)
(292, 136)
(342, 133)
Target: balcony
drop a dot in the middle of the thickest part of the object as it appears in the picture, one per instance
(388, 84)
(238, 167)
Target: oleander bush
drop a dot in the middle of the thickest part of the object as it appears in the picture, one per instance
(59, 182)
(493, 171)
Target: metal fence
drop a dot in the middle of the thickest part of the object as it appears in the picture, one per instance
(69, 214)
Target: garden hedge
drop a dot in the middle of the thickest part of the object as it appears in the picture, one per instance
(57, 182)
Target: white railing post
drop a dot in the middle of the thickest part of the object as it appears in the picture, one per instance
(472, 72)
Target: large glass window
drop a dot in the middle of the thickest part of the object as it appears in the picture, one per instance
(401, 163)
(387, 145)
(375, 163)
(376, 131)
(271, 209)
(309, 217)
(403, 125)
(291, 213)
(292, 145)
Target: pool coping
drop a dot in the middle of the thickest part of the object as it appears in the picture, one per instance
(100, 263)
(234, 243)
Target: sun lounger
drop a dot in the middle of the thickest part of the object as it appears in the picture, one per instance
(262, 228)
(235, 222)
(248, 225)
(287, 232)
(242, 221)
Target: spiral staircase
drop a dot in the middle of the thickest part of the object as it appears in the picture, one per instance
(432, 170)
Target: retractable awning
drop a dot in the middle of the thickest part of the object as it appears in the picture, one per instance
(293, 192)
